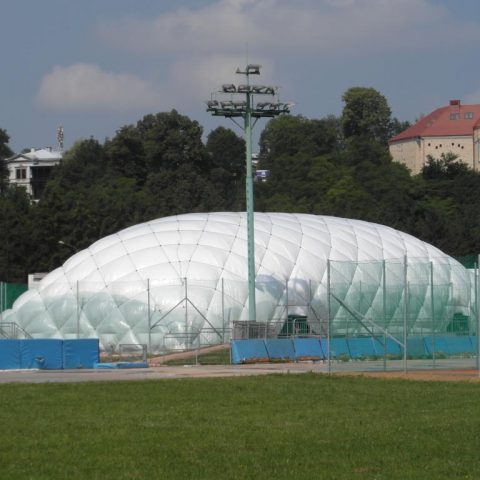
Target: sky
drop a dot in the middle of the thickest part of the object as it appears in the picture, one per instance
(94, 66)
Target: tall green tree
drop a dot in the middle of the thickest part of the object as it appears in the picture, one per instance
(366, 113)
(126, 154)
(170, 140)
(5, 152)
(226, 151)
(16, 245)
(289, 135)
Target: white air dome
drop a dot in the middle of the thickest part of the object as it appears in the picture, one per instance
(142, 276)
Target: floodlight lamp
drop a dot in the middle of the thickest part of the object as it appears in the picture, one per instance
(263, 89)
(229, 88)
(262, 105)
(212, 103)
(226, 104)
(253, 69)
(240, 104)
(258, 88)
(244, 89)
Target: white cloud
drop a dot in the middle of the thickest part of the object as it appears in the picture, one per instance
(85, 86)
(194, 78)
(300, 26)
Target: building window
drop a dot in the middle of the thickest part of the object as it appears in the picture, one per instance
(454, 116)
(468, 115)
(21, 173)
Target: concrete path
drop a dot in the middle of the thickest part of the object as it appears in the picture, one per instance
(201, 371)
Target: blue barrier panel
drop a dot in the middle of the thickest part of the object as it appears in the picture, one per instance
(416, 347)
(245, 351)
(338, 346)
(308, 349)
(9, 354)
(361, 347)
(449, 345)
(43, 353)
(473, 340)
(393, 348)
(459, 344)
(436, 344)
(80, 353)
(280, 349)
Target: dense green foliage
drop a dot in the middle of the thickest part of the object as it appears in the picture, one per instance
(275, 427)
(161, 166)
(5, 152)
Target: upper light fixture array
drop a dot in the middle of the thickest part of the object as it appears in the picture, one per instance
(232, 107)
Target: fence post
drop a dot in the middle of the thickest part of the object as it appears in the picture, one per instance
(329, 357)
(477, 305)
(432, 307)
(187, 340)
(223, 311)
(405, 311)
(384, 285)
(286, 304)
(78, 309)
(149, 319)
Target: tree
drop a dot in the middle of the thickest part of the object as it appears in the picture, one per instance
(366, 113)
(226, 153)
(126, 154)
(16, 245)
(289, 135)
(170, 140)
(446, 167)
(5, 152)
(226, 150)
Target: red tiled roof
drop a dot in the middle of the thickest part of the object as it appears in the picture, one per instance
(439, 122)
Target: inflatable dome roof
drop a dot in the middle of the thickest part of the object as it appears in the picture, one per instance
(169, 281)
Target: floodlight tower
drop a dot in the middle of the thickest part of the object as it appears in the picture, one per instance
(247, 109)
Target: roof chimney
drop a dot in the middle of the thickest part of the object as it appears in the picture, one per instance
(455, 102)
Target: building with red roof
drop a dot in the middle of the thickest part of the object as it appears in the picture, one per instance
(451, 129)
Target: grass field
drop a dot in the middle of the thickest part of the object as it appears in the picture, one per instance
(275, 427)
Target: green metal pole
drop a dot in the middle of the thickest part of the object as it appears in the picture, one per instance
(477, 317)
(149, 318)
(252, 309)
(432, 308)
(405, 312)
(384, 288)
(329, 314)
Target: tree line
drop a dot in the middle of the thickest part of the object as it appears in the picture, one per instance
(161, 166)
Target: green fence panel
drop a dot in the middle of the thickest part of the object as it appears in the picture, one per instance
(9, 292)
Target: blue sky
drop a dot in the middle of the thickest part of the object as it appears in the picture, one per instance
(96, 65)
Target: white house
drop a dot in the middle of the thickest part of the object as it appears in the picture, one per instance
(32, 169)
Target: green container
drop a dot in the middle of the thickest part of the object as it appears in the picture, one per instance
(295, 325)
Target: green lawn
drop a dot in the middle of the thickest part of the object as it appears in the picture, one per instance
(274, 427)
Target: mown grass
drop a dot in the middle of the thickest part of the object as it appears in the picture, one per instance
(274, 427)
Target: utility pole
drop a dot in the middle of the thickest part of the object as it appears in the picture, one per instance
(229, 106)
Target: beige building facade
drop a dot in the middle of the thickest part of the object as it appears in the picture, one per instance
(451, 129)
